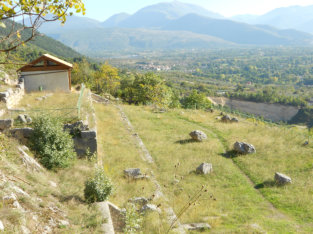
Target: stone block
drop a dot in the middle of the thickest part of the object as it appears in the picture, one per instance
(6, 124)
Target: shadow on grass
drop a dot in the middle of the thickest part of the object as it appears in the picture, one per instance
(186, 141)
(230, 154)
(268, 184)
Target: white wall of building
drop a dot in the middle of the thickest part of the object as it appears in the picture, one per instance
(48, 80)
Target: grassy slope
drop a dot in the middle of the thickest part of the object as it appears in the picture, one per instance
(239, 206)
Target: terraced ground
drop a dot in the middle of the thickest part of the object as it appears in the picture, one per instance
(241, 195)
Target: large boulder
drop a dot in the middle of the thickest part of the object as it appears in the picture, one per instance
(6, 124)
(281, 179)
(204, 168)
(198, 135)
(244, 148)
(226, 119)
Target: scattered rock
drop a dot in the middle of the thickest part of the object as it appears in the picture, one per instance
(29, 120)
(76, 128)
(20, 191)
(39, 99)
(282, 179)
(132, 172)
(53, 184)
(305, 143)
(63, 223)
(210, 110)
(139, 200)
(197, 227)
(226, 119)
(175, 181)
(25, 230)
(234, 120)
(47, 230)
(21, 118)
(1, 226)
(6, 124)
(198, 135)
(204, 168)
(11, 201)
(244, 148)
(150, 208)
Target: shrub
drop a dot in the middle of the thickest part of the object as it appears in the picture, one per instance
(196, 101)
(53, 146)
(133, 220)
(98, 188)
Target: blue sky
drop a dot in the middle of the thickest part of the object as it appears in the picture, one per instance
(102, 9)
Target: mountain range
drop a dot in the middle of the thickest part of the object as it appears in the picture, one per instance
(176, 25)
(294, 17)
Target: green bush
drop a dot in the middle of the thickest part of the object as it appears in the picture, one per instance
(196, 100)
(98, 188)
(53, 146)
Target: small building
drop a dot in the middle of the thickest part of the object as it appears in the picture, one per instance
(47, 73)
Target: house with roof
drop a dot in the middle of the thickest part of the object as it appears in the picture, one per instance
(47, 73)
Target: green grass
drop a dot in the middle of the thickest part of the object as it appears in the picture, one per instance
(238, 206)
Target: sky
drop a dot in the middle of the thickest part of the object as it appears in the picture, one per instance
(103, 9)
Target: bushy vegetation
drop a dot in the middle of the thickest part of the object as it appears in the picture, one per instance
(98, 188)
(267, 95)
(196, 100)
(54, 147)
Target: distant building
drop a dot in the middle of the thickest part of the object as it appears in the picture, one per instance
(47, 73)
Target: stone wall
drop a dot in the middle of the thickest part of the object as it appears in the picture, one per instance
(12, 96)
(86, 143)
(274, 112)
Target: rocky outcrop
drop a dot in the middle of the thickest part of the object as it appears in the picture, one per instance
(198, 135)
(244, 148)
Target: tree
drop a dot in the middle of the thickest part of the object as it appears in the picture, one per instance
(107, 79)
(196, 101)
(31, 14)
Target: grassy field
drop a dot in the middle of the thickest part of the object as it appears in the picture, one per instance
(233, 204)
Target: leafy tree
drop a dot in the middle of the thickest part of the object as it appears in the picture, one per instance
(150, 89)
(32, 13)
(82, 73)
(106, 80)
(196, 100)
